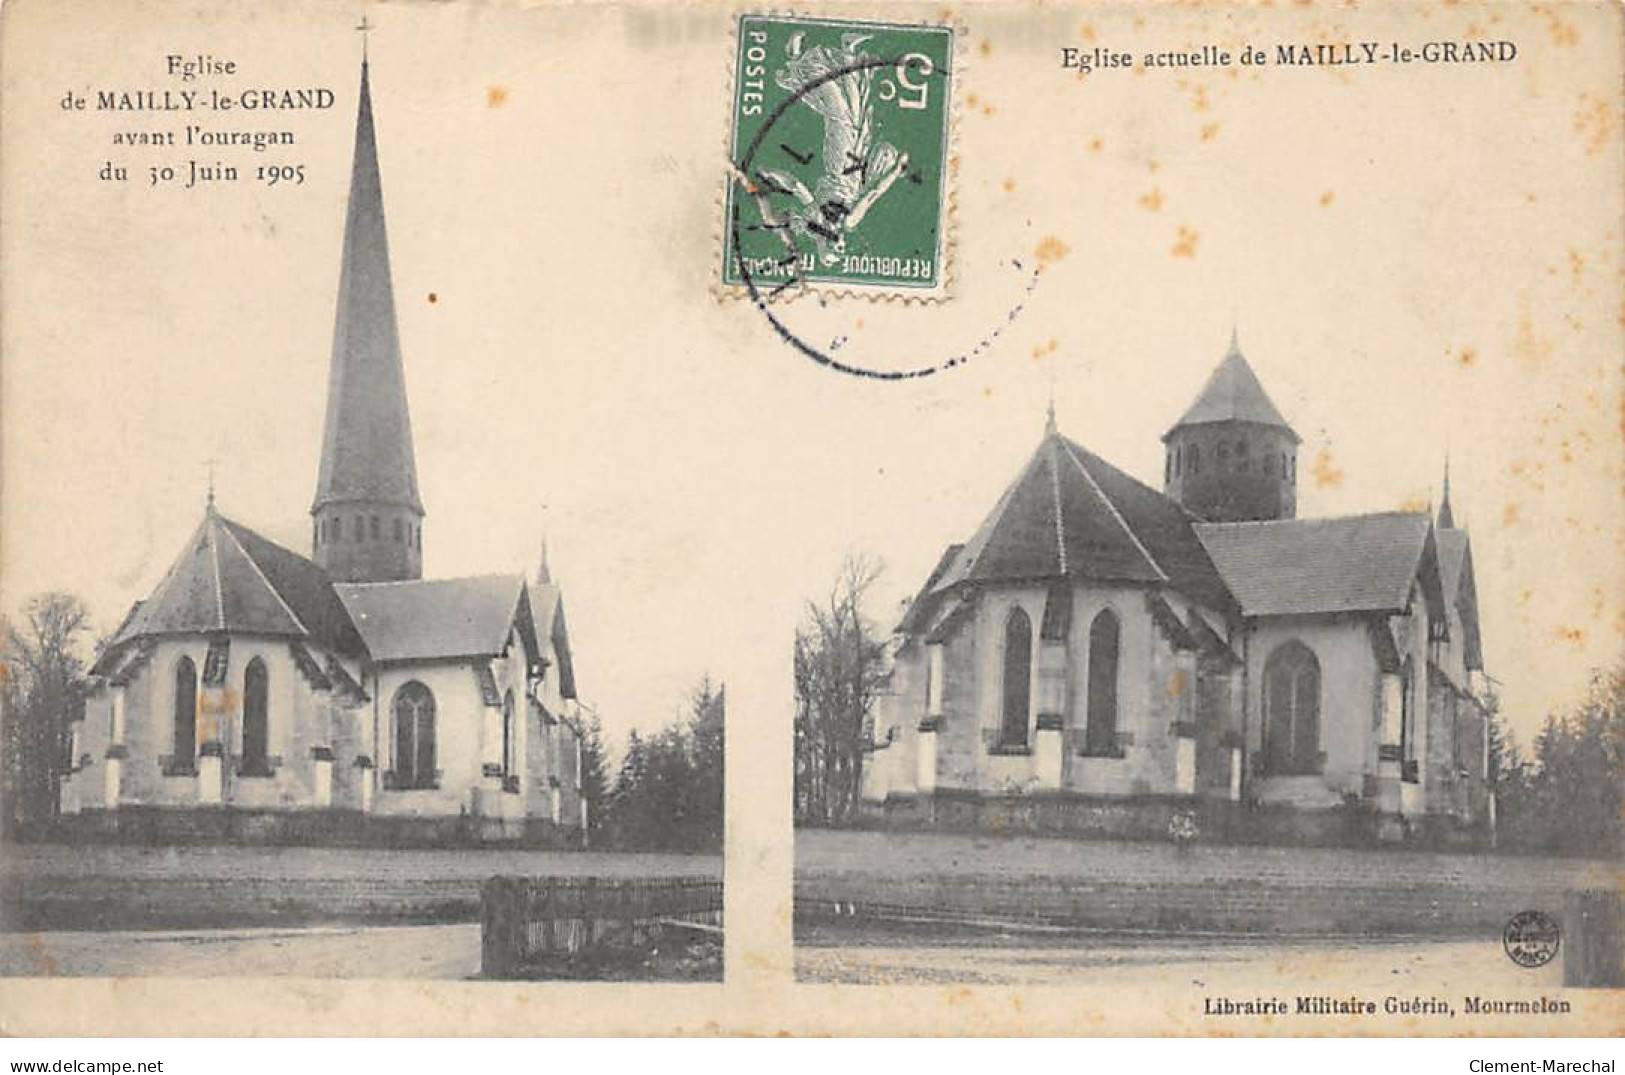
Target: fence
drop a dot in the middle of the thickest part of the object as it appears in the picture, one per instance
(523, 920)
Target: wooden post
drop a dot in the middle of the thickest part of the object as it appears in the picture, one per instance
(501, 924)
(1594, 939)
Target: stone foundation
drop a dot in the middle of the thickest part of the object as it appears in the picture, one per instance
(1147, 817)
(159, 826)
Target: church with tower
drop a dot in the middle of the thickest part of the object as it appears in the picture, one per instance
(1106, 658)
(261, 694)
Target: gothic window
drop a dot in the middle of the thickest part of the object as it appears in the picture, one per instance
(414, 737)
(184, 740)
(1018, 664)
(315, 532)
(398, 531)
(256, 720)
(1100, 732)
(1224, 455)
(1292, 711)
(374, 527)
(1269, 464)
(1196, 459)
(508, 768)
(360, 528)
(1179, 460)
(1168, 467)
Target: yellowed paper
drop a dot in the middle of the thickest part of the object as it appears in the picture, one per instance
(1405, 216)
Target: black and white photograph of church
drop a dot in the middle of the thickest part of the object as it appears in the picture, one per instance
(369, 772)
(1123, 731)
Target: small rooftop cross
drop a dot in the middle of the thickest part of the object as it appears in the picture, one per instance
(364, 28)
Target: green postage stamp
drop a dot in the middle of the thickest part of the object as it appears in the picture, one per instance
(839, 156)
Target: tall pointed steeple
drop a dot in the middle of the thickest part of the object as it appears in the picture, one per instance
(1447, 518)
(367, 511)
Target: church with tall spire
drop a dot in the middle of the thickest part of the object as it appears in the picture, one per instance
(260, 694)
(1100, 656)
(367, 514)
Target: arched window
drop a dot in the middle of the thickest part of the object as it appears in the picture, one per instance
(374, 521)
(338, 528)
(1168, 466)
(1100, 732)
(184, 739)
(360, 527)
(1196, 459)
(399, 530)
(508, 768)
(1292, 711)
(414, 736)
(1018, 670)
(1179, 460)
(256, 721)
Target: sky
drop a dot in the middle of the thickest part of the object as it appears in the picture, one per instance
(1416, 261)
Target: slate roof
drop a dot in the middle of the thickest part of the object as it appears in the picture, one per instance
(230, 580)
(367, 436)
(436, 619)
(1352, 563)
(1456, 577)
(1232, 394)
(1070, 514)
(548, 599)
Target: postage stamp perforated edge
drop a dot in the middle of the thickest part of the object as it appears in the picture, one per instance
(723, 290)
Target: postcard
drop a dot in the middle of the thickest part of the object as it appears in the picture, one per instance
(843, 519)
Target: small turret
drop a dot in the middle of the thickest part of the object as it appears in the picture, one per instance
(1232, 457)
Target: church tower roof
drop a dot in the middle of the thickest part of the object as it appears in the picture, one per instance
(367, 440)
(1232, 394)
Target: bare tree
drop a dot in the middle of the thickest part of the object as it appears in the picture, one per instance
(839, 666)
(44, 686)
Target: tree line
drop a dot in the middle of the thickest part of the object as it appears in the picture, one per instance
(43, 683)
(1565, 794)
(839, 673)
(667, 794)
